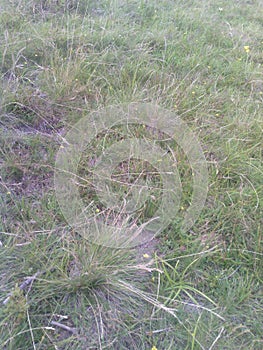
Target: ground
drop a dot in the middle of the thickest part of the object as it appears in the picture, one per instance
(62, 61)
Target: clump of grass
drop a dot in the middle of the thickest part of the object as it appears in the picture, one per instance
(103, 291)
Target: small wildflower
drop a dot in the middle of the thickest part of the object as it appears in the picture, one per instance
(97, 210)
(247, 49)
(217, 114)
(8, 192)
(193, 92)
(146, 256)
(62, 147)
(36, 54)
(153, 279)
(260, 92)
(182, 208)
(220, 9)
(175, 106)
(154, 348)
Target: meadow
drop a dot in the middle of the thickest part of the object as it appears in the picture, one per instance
(62, 60)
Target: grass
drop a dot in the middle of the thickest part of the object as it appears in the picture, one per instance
(62, 60)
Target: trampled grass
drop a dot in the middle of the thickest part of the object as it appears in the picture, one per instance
(62, 60)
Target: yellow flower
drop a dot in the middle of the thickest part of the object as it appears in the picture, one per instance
(146, 256)
(97, 210)
(154, 348)
(247, 49)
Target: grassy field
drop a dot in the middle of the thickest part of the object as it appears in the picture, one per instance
(62, 60)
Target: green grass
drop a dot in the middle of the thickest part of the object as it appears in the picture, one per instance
(60, 61)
